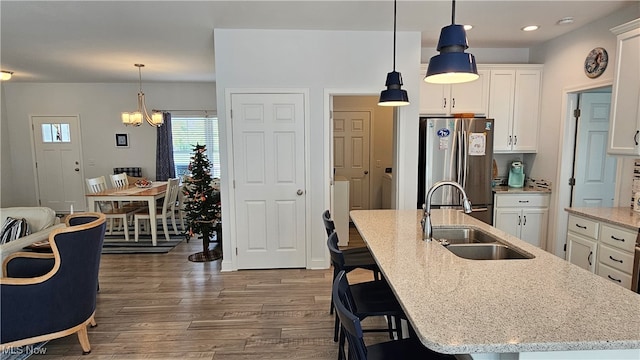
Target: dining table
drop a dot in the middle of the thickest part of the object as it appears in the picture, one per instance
(149, 194)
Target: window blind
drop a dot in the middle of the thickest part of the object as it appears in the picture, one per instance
(186, 132)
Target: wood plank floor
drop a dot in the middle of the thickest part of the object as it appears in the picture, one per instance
(162, 306)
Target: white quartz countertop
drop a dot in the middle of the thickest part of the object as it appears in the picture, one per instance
(495, 306)
(621, 216)
(502, 189)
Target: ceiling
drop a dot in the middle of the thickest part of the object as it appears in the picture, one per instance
(99, 41)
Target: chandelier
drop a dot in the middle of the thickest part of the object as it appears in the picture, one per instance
(5, 75)
(135, 118)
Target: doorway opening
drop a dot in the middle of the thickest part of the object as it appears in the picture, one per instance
(593, 180)
(361, 160)
(362, 144)
(582, 158)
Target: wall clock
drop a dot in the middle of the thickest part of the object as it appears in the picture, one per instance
(596, 62)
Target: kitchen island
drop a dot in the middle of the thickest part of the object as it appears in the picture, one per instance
(540, 308)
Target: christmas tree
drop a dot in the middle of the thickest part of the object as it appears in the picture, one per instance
(202, 203)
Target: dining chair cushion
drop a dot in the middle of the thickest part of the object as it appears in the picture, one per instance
(132, 170)
(13, 229)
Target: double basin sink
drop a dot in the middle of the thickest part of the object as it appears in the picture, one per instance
(475, 244)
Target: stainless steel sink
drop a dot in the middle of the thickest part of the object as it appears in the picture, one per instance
(475, 244)
(465, 235)
(487, 252)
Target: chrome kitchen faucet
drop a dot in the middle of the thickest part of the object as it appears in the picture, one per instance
(427, 229)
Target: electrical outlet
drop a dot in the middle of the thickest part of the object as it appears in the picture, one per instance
(378, 164)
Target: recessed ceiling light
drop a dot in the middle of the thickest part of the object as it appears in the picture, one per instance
(468, 27)
(530, 28)
(565, 21)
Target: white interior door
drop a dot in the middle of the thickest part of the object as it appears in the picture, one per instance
(351, 131)
(58, 162)
(594, 170)
(269, 168)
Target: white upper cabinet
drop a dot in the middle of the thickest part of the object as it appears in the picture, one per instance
(439, 99)
(514, 103)
(624, 124)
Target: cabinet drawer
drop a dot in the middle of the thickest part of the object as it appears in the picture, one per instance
(583, 226)
(620, 238)
(615, 276)
(524, 200)
(617, 259)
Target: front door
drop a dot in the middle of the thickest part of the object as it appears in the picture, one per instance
(269, 177)
(58, 162)
(351, 154)
(595, 171)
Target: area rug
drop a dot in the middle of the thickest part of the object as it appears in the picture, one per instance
(115, 244)
(23, 352)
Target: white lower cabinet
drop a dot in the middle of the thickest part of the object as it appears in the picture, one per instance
(581, 251)
(524, 216)
(602, 248)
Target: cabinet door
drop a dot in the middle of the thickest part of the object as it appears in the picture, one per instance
(625, 108)
(526, 109)
(471, 97)
(534, 226)
(502, 87)
(509, 220)
(433, 98)
(581, 251)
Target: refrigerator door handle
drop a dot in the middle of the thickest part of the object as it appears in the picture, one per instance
(459, 148)
(465, 164)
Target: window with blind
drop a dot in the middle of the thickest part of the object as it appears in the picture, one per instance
(186, 132)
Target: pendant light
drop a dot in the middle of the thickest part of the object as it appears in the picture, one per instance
(452, 65)
(394, 95)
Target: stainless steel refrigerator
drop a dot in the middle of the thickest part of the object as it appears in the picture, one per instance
(461, 150)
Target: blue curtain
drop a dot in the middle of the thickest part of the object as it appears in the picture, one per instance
(165, 168)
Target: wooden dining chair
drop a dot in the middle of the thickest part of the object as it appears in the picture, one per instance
(163, 212)
(109, 209)
(119, 180)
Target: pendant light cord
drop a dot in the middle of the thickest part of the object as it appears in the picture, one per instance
(453, 12)
(394, 35)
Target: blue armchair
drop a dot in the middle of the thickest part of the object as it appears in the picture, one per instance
(48, 296)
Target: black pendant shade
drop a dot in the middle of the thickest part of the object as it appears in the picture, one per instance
(452, 65)
(394, 95)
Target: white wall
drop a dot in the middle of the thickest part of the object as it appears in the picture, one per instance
(381, 139)
(317, 61)
(563, 60)
(6, 198)
(99, 106)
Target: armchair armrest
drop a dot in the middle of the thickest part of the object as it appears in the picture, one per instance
(30, 268)
(18, 244)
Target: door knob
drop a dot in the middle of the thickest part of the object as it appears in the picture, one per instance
(366, 172)
(299, 192)
(77, 169)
